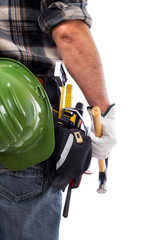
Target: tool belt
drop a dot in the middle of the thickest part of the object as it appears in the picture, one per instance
(71, 157)
(73, 152)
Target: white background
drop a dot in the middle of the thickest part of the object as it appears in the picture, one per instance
(127, 34)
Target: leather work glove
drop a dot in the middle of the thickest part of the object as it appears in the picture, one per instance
(101, 147)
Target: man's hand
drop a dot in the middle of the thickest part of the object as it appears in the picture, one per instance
(101, 147)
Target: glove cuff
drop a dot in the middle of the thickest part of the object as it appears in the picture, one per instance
(108, 109)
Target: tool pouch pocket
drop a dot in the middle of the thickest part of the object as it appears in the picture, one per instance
(73, 152)
(72, 155)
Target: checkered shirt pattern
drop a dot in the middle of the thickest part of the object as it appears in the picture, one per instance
(25, 30)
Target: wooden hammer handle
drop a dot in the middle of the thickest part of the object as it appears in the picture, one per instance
(96, 114)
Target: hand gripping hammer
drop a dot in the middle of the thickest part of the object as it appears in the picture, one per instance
(103, 163)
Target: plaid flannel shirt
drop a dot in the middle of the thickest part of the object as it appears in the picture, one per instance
(25, 30)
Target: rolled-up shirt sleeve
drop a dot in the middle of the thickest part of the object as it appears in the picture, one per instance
(55, 12)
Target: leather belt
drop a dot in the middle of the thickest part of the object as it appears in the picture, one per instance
(41, 81)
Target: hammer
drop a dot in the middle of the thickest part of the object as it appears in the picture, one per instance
(103, 163)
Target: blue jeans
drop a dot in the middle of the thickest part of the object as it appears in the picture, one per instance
(30, 208)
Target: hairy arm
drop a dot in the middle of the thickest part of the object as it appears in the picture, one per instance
(81, 58)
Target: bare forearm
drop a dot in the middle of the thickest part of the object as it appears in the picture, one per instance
(81, 57)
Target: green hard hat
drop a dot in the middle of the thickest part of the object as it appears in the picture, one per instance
(26, 121)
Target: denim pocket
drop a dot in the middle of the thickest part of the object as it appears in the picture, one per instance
(18, 186)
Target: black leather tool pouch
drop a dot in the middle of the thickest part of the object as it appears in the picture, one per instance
(72, 155)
